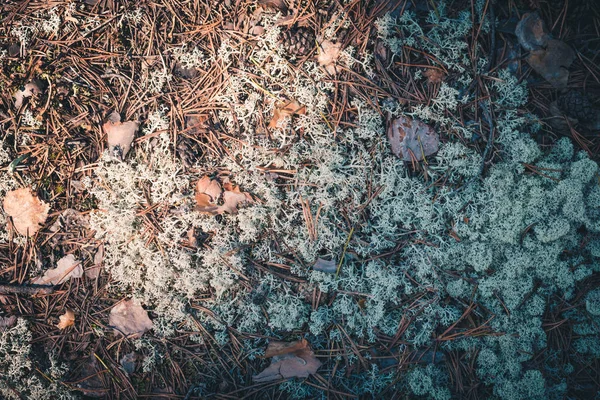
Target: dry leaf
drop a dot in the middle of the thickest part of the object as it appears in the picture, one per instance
(27, 211)
(553, 62)
(66, 320)
(328, 266)
(119, 135)
(29, 90)
(232, 198)
(129, 318)
(412, 139)
(209, 191)
(289, 360)
(434, 75)
(532, 32)
(329, 53)
(274, 4)
(66, 268)
(7, 322)
(284, 110)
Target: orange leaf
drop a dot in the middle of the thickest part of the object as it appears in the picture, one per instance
(27, 211)
(207, 193)
(287, 109)
(66, 320)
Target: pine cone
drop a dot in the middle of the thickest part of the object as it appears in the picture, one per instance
(188, 151)
(298, 41)
(577, 105)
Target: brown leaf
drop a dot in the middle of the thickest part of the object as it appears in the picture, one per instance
(434, 75)
(27, 211)
(274, 4)
(412, 139)
(328, 266)
(119, 134)
(532, 32)
(66, 268)
(289, 360)
(329, 53)
(66, 320)
(30, 89)
(284, 110)
(208, 192)
(553, 62)
(129, 318)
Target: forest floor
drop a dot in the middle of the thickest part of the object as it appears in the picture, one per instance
(71, 64)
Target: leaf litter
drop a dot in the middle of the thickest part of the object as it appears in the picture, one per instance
(288, 360)
(27, 211)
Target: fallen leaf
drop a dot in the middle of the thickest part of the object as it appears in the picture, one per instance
(274, 4)
(66, 268)
(7, 322)
(289, 360)
(66, 320)
(232, 198)
(284, 110)
(553, 62)
(27, 211)
(119, 134)
(434, 75)
(532, 32)
(208, 192)
(329, 53)
(412, 139)
(28, 90)
(328, 266)
(129, 318)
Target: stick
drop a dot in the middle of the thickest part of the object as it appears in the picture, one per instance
(9, 288)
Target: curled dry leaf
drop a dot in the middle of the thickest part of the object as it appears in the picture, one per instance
(286, 109)
(329, 53)
(129, 318)
(412, 139)
(66, 268)
(119, 134)
(289, 360)
(328, 266)
(208, 192)
(33, 87)
(553, 62)
(66, 320)
(549, 57)
(531, 32)
(27, 211)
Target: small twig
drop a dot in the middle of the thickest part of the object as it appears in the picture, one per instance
(9, 288)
